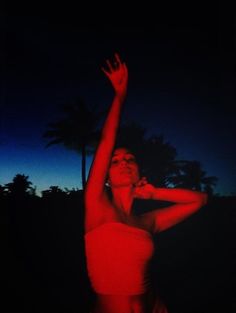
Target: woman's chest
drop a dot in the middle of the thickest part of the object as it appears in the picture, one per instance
(138, 221)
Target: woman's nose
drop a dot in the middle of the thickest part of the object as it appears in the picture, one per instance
(123, 162)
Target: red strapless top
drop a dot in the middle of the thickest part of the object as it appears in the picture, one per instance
(118, 256)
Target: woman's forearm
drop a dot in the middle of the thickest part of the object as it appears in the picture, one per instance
(111, 125)
(118, 76)
(179, 195)
(101, 162)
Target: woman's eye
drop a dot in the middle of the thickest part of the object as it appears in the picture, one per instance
(130, 160)
(114, 162)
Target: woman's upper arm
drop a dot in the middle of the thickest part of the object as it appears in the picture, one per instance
(95, 194)
(95, 186)
(95, 210)
(174, 214)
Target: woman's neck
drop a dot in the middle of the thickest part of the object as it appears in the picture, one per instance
(123, 198)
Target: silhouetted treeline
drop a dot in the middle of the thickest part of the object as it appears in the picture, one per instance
(44, 267)
(80, 130)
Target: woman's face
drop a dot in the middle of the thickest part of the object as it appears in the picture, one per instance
(123, 169)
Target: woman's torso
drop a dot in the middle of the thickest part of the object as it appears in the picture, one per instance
(125, 303)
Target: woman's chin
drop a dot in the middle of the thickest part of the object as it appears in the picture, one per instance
(124, 183)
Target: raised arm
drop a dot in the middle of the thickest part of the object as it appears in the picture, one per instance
(117, 73)
(187, 202)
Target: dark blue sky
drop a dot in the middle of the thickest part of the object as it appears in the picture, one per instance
(182, 85)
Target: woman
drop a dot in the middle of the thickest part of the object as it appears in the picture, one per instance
(119, 244)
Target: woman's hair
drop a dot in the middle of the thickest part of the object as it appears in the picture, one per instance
(136, 155)
(129, 149)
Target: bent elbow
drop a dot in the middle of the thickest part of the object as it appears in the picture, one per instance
(203, 199)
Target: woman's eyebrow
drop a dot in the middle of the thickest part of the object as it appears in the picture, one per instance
(126, 153)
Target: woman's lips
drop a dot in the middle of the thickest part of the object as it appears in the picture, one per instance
(125, 171)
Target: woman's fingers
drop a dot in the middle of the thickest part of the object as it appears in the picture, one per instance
(117, 73)
(118, 60)
(105, 71)
(109, 65)
(125, 69)
(142, 182)
(115, 66)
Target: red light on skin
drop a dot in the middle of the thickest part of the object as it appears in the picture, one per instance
(118, 244)
(123, 162)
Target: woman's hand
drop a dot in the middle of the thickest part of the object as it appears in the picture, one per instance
(117, 73)
(144, 190)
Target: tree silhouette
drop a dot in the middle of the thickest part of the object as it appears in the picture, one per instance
(157, 160)
(74, 192)
(191, 175)
(77, 131)
(3, 191)
(53, 192)
(156, 157)
(20, 186)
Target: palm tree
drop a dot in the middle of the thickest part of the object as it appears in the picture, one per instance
(77, 131)
(157, 160)
(53, 192)
(191, 175)
(20, 186)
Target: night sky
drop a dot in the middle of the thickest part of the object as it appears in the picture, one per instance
(181, 85)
